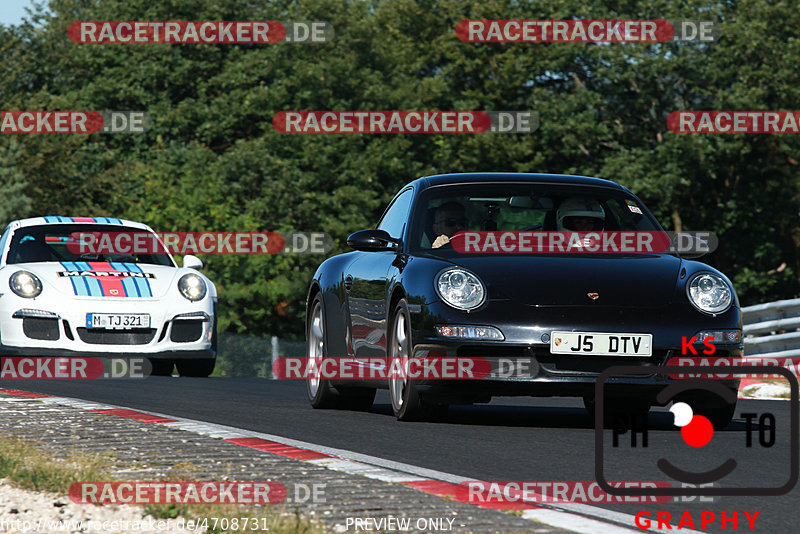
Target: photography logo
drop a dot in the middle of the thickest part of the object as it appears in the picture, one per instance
(684, 446)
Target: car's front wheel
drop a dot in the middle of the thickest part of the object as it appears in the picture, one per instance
(320, 392)
(407, 403)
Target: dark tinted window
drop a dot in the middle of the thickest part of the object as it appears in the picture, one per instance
(397, 215)
(51, 242)
(522, 207)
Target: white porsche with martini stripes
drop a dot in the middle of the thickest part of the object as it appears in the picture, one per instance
(57, 301)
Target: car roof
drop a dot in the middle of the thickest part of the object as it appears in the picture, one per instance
(479, 177)
(59, 219)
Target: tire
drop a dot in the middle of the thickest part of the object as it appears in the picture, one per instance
(161, 367)
(196, 367)
(407, 403)
(320, 393)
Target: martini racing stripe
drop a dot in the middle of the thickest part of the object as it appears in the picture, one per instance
(90, 286)
(111, 287)
(143, 284)
(107, 220)
(129, 284)
(59, 219)
(79, 285)
(95, 289)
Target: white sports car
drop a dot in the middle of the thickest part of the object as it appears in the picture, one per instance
(57, 302)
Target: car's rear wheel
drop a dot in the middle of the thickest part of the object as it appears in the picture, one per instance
(196, 367)
(320, 392)
(407, 403)
(161, 367)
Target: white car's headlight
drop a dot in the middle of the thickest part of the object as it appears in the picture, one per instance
(709, 293)
(192, 287)
(460, 288)
(25, 284)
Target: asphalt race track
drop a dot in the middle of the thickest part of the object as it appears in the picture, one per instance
(509, 439)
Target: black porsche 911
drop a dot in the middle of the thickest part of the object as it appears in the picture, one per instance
(411, 289)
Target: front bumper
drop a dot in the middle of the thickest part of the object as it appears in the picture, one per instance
(522, 364)
(39, 327)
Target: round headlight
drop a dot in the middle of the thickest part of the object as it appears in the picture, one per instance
(709, 293)
(25, 284)
(192, 287)
(460, 289)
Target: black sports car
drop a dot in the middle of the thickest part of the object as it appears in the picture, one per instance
(410, 290)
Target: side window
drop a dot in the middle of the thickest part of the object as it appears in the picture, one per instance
(625, 213)
(397, 215)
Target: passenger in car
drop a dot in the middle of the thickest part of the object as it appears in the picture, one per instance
(581, 215)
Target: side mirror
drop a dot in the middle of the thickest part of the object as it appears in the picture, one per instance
(192, 262)
(372, 241)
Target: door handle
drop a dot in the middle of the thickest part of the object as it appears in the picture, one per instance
(348, 282)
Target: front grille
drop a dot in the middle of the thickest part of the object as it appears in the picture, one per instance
(493, 351)
(98, 336)
(557, 364)
(37, 328)
(186, 331)
(589, 364)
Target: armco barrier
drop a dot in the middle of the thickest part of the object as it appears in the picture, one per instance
(772, 330)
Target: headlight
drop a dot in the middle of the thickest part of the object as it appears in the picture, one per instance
(709, 293)
(25, 284)
(460, 289)
(192, 287)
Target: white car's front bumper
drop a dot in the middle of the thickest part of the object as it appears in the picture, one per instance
(45, 327)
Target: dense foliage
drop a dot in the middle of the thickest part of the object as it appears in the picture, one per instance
(213, 162)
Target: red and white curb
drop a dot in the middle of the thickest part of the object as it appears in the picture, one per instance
(575, 517)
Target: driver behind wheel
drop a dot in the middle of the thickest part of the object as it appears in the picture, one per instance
(450, 219)
(581, 215)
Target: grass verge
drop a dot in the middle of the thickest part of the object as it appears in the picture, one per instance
(25, 466)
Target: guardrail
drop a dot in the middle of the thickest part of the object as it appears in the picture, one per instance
(771, 330)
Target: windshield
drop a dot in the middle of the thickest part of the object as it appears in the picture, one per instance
(51, 242)
(447, 210)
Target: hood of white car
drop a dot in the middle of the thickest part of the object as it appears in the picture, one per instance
(105, 279)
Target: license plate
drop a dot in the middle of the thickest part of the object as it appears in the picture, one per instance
(601, 344)
(117, 320)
